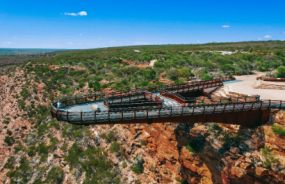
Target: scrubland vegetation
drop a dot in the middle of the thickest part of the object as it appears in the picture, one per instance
(105, 68)
(98, 69)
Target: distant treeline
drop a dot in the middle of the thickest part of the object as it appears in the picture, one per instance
(13, 59)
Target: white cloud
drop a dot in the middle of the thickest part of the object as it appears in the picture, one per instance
(80, 34)
(70, 43)
(267, 36)
(284, 32)
(7, 43)
(82, 13)
(259, 39)
(225, 26)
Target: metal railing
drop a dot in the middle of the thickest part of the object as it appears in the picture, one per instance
(134, 100)
(91, 117)
(99, 95)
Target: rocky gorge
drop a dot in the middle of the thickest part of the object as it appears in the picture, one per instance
(168, 152)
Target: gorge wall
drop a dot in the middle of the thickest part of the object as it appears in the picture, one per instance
(171, 152)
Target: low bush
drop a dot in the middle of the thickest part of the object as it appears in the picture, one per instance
(38, 181)
(214, 126)
(103, 136)
(138, 167)
(115, 147)
(9, 140)
(278, 130)
(55, 175)
(43, 158)
(9, 132)
(124, 164)
(269, 157)
(19, 148)
(192, 146)
(111, 135)
(55, 124)
(143, 143)
(31, 151)
(78, 133)
(64, 147)
(42, 148)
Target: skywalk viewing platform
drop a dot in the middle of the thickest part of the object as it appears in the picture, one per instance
(188, 102)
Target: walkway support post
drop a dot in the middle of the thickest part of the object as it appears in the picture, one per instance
(108, 115)
(242, 107)
(147, 113)
(67, 116)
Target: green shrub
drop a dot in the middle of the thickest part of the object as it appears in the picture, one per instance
(103, 136)
(42, 129)
(111, 135)
(55, 176)
(214, 126)
(73, 154)
(38, 181)
(9, 140)
(124, 164)
(115, 147)
(207, 77)
(78, 133)
(9, 132)
(42, 148)
(64, 147)
(143, 143)
(138, 167)
(278, 130)
(43, 158)
(10, 163)
(269, 157)
(179, 179)
(192, 146)
(31, 151)
(18, 148)
(55, 124)
(6, 121)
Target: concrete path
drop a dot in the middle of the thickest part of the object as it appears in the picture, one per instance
(243, 86)
(152, 62)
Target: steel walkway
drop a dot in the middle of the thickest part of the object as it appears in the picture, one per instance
(247, 111)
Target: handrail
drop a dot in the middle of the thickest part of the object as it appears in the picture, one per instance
(104, 116)
(192, 84)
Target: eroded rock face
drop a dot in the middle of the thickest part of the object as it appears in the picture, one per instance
(214, 160)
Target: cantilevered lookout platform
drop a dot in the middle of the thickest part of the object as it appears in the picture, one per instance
(159, 104)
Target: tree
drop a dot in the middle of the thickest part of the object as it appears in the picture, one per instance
(55, 175)
(228, 68)
(207, 77)
(173, 74)
(184, 72)
(245, 66)
(281, 72)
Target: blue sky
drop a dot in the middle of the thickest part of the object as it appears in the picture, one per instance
(93, 23)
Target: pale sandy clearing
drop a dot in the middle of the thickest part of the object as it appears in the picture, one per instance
(244, 87)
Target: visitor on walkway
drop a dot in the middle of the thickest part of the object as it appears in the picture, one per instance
(58, 104)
